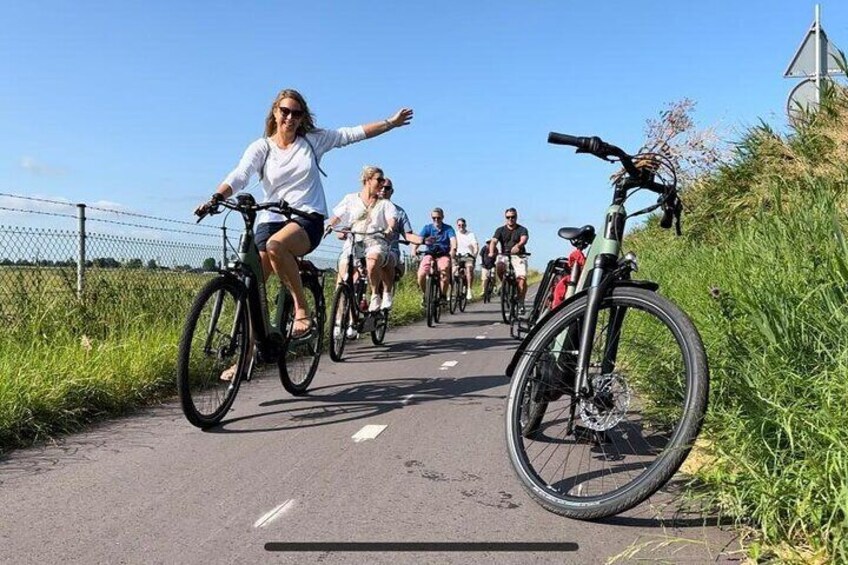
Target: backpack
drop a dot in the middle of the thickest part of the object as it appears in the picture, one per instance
(261, 171)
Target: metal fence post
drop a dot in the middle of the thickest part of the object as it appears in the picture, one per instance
(81, 257)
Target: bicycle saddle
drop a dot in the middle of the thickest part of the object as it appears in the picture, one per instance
(586, 233)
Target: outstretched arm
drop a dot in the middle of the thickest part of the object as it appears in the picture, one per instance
(401, 118)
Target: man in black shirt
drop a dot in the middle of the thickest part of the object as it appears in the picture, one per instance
(512, 237)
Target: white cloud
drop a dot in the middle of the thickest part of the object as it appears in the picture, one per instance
(40, 169)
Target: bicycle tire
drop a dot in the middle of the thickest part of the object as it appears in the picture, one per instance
(430, 302)
(463, 295)
(340, 321)
(506, 301)
(437, 303)
(299, 362)
(487, 290)
(667, 341)
(204, 397)
(453, 296)
(378, 336)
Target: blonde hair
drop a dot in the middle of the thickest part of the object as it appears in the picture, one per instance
(307, 123)
(368, 171)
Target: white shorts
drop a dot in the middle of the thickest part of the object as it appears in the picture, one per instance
(519, 265)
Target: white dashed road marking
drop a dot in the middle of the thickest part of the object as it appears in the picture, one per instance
(448, 364)
(273, 514)
(368, 432)
(480, 337)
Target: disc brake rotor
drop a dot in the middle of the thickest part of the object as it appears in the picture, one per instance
(609, 405)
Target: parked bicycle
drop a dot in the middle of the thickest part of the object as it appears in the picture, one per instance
(233, 306)
(558, 271)
(350, 312)
(609, 390)
(458, 298)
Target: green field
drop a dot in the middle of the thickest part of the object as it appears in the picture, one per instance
(65, 361)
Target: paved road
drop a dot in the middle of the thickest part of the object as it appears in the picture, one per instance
(152, 489)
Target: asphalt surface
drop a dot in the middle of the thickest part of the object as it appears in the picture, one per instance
(434, 486)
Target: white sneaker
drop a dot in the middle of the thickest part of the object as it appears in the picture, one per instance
(387, 300)
(375, 303)
(351, 333)
(469, 295)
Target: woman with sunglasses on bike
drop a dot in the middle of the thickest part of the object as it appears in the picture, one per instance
(287, 161)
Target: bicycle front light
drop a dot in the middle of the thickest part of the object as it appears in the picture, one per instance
(630, 261)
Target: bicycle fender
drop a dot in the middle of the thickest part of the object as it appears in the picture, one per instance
(648, 285)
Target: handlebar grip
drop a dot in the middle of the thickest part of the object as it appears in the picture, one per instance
(565, 139)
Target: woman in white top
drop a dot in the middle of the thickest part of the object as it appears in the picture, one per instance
(287, 160)
(366, 212)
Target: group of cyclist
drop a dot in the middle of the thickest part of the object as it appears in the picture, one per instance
(287, 161)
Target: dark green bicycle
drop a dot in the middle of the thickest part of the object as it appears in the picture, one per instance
(215, 355)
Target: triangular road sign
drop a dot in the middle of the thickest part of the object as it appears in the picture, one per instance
(803, 64)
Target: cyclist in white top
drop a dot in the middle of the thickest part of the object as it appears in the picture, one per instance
(366, 212)
(466, 251)
(287, 160)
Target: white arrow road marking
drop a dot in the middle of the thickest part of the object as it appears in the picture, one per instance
(370, 431)
(273, 514)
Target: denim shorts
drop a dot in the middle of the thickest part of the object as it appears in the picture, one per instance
(314, 228)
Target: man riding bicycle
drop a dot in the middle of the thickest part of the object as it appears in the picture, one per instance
(441, 240)
(466, 251)
(395, 268)
(512, 237)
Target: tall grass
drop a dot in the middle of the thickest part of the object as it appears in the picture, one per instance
(65, 362)
(763, 272)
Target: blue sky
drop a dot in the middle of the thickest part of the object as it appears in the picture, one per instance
(148, 105)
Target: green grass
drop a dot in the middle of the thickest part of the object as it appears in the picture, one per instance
(65, 363)
(763, 271)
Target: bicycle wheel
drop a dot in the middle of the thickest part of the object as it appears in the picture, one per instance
(431, 302)
(599, 456)
(487, 290)
(215, 338)
(506, 300)
(463, 294)
(382, 324)
(437, 303)
(299, 364)
(453, 295)
(340, 322)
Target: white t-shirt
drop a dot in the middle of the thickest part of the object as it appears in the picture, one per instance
(291, 173)
(354, 213)
(464, 241)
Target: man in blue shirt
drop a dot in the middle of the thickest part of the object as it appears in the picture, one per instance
(441, 239)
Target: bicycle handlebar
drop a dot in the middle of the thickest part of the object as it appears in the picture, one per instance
(245, 203)
(638, 177)
(597, 147)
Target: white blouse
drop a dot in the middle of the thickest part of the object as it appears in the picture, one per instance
(291, 173)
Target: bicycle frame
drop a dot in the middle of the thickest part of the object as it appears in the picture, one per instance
(249, 265)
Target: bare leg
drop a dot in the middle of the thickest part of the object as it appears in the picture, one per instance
(522, 288)
(283, 249)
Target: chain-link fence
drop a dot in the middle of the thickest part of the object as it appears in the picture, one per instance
(65, 250)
